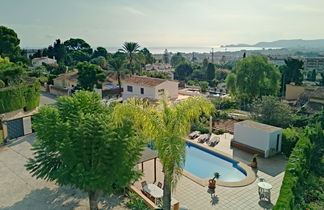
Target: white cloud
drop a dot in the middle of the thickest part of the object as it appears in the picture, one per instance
(134, 11)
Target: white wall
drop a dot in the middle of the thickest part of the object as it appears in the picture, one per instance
(257, 138)
(251, 137)
(149, 92)
(170, 87)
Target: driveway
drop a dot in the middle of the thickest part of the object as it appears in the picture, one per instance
(20, 191)
(47, 99)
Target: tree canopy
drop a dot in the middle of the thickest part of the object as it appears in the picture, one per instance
(89, 75)
(253, 78)
(291, 71)
(182, 71)
(79, 144)
(270, 110)
(11, 73)
(210, 71)
(167, 125)
(9, 43)
(177, 59)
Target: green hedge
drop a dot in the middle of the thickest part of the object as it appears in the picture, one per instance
(296, 172)
(24, 96)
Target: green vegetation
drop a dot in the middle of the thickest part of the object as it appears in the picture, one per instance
(17, 91)
(253, 78)
(290, 136)
(130, 48)
(9, 45)
(302, 186)
(89, 75)
(167, 126)
(225, 103)
(270, 110)
(79, 144)
(182, 71)
(118, 66)
(135, 202)
(291, 71)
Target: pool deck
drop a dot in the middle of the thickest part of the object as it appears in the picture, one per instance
(196, 196)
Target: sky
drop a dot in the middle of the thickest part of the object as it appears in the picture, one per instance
(162, 23)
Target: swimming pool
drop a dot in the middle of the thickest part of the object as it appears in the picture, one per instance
(203, 164)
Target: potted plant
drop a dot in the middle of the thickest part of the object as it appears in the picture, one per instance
(254, 163)
(212, 182)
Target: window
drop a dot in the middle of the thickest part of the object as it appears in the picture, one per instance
(129, 88)
(142, 90)
(161, 91)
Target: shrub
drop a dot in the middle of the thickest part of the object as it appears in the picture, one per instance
(219, 132)
(135, 202)
(290, 137)
(225, 103)
(296, 171)
(2, 84)
(25, 96)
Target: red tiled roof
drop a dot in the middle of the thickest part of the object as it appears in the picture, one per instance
(144, 81)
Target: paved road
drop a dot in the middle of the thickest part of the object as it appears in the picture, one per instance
(46, 98)
(20, 191)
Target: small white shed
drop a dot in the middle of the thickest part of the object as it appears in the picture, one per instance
(263, 138)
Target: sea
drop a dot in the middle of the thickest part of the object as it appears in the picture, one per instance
(160, 50)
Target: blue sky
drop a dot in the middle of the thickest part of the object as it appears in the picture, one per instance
(162, 23)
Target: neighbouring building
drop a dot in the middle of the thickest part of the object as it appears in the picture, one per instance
(293, 92)
(148, 87)
(257, 138)
(161, 67)
(313, 100)
(39, 61)
(64, 84)
(316, 63)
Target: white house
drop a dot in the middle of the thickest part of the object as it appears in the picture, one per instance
(148, 87)
(41, 60)
(257, 137)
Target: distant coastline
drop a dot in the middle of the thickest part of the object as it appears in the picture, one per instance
(160, 50)
(292, 43)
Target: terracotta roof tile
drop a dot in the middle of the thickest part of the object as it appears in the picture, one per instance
(144, 81)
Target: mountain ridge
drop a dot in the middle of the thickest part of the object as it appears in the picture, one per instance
(285, 43)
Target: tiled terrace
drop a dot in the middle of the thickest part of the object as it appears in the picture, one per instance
(196, 197)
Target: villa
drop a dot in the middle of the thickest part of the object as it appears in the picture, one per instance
(148, 87)
(39, 61)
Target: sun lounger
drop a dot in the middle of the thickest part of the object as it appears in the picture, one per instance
(213, 141)
(203, 138)
(194, 134)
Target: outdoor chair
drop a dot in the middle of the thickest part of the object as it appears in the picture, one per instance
(203, 138)
(262, 180)
(213, 141)
(143, 183)
(159, 185)
(194, 134)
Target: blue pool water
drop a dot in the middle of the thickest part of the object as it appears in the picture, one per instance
(203, 163)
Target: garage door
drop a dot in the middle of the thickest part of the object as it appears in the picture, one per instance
(15, 128)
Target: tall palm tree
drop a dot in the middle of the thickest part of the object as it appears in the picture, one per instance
(130, 48)
(168, 125)
(117, 65)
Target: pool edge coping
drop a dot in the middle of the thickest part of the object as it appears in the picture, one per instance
(250, 174)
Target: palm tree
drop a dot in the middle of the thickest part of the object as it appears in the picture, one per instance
(130, 48)
(167, 125)
(117, 65)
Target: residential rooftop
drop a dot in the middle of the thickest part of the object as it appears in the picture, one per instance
(144, 81)
(259, 126)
